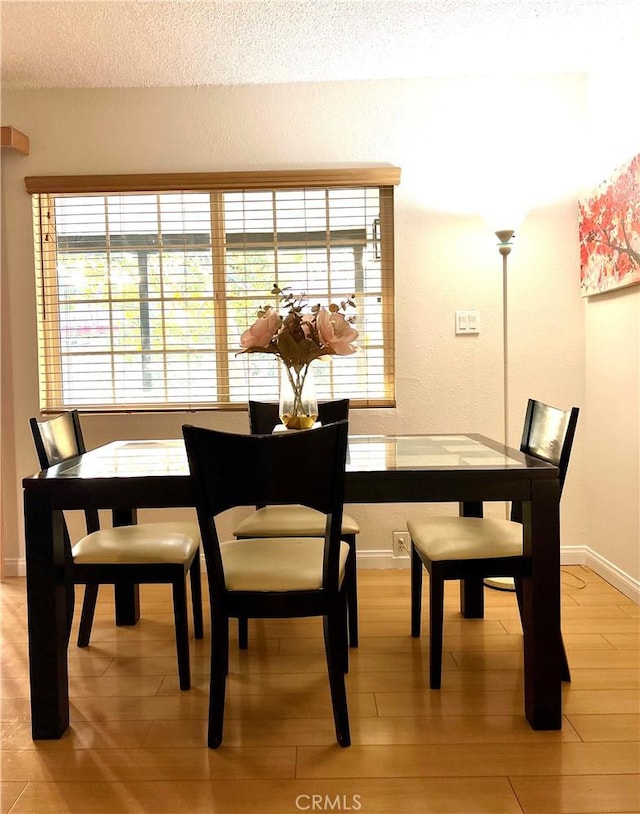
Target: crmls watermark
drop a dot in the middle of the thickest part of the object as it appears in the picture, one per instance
(325, 802)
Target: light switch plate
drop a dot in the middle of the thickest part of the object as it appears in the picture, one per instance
(468, 322)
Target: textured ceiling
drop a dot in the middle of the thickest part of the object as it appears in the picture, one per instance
(224, 42)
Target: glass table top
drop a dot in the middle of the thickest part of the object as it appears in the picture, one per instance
(371, 452)
(367, 453)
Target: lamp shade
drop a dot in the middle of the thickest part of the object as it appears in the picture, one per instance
(502, 215)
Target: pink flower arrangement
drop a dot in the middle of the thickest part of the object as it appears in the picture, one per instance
(300, 337)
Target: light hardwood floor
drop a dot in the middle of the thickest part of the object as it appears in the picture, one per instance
(137, 744)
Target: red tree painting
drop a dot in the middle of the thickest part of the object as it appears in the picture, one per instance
(609, 224)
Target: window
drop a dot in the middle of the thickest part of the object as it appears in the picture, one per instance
(145, 283)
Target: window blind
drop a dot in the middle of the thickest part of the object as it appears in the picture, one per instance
(146, 283)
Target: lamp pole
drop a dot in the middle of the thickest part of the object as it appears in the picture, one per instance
(504, 247)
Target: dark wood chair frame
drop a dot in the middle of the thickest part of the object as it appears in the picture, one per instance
(475, 570)
(263, 417)
(230, 470)
(62, 441)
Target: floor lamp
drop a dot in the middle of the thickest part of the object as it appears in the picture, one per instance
(505, 237)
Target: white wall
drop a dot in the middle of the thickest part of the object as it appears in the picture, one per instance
(612, 373)
(459, 143)
(613, 428)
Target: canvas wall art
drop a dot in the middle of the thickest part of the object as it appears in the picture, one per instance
(609, 226)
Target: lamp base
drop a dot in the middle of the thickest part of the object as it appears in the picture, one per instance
(500, 583)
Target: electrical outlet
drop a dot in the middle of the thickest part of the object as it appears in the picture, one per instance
(401, 543)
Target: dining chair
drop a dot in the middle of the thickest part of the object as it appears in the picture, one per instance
(293, 521)
(145, 553)
(275, 577)
(475, 548)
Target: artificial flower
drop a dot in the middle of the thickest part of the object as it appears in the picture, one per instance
(301, 336)
(336, 332)
(261, 332)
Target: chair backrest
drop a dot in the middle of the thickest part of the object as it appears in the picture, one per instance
(57, 439)
(264, 415)
(60, 439)
(305, 468)
(547, 434)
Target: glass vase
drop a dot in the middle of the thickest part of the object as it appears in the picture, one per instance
(298, 402)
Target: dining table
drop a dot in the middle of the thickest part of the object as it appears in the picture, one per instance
(464, 468)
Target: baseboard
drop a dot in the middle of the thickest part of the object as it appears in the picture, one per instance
(384, 559)
(15, 567)
(569, 555)
(573, 554)
(381, 558)
(615, 576)
(373, 558)
(583, 555)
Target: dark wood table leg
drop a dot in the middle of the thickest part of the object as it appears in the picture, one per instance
(48, 594)
(127, 594)
(541, 607)
(471, 590)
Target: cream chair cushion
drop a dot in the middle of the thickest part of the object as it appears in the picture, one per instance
(466, 538)
(289, 521)
(276, 564)
(146, 543)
